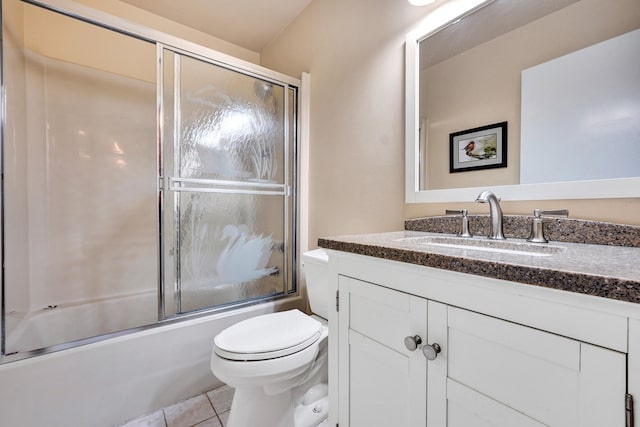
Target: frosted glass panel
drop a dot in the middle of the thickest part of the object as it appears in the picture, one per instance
(230, 155)
(81, 180)
(230, 152)
(231, 125)
(231, 248)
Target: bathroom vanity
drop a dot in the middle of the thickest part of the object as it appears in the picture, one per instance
(433, 329)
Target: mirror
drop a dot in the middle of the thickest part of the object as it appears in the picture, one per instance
(475, 64)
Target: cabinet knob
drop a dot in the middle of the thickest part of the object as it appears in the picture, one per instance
(431, 351)
(412, 342)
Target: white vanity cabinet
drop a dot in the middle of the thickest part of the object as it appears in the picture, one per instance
(498, 373)
(510, 355)
(381, 382)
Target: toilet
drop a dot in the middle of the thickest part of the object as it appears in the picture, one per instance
(277, 362)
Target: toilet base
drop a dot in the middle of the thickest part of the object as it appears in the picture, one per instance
(252, 407)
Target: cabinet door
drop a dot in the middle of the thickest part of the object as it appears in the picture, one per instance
(497, 373)
(382, 383)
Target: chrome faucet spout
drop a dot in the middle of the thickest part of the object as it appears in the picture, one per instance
(495, 214)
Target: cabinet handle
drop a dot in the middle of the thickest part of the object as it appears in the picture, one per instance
(431, 351)
(412, 342)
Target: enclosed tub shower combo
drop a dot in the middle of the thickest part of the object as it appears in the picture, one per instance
(146, 179)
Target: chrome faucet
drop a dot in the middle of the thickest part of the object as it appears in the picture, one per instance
(495, 214)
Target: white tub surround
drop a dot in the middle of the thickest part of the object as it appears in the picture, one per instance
(109, 382)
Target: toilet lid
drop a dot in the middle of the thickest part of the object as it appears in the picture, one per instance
(268, 336)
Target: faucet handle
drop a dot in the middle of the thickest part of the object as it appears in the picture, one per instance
(464, 226)
(462, 212)
(539, 213)
(537, 230)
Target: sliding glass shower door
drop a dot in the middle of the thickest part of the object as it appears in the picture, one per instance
(79, 195)
(229, 164)
(141, 182)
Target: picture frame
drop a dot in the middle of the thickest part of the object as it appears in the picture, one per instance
(479, 148)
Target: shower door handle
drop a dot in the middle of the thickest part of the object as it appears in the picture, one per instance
(229, 187)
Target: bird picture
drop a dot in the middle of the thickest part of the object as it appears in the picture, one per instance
(480, 148)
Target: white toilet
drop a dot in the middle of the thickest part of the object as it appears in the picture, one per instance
(277, 362)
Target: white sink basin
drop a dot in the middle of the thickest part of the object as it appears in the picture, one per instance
(486, 245)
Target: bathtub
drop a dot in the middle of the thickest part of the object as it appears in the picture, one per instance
(108, 382)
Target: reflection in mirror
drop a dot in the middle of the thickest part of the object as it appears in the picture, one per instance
(466, 73)
(590, 101)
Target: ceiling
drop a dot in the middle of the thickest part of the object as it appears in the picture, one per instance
(504, 16)
(251, 24)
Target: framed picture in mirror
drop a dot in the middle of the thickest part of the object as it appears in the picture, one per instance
(483, 147)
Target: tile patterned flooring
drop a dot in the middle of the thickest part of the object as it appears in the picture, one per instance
(209, 409)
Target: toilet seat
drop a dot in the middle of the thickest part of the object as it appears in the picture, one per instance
(268, 336)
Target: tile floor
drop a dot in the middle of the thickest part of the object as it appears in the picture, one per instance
(210, 409)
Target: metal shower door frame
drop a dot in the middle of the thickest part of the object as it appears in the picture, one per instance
(169, 183)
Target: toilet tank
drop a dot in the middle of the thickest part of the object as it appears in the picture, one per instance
(316, 264)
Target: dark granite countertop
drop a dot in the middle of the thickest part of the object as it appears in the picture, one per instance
(602, 270)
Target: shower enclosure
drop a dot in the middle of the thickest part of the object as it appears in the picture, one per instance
(143, 182)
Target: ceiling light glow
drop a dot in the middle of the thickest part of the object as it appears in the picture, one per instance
(421, 2)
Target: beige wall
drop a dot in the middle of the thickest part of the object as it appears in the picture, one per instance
(70, 40)
(354, 50)
(149, 20)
